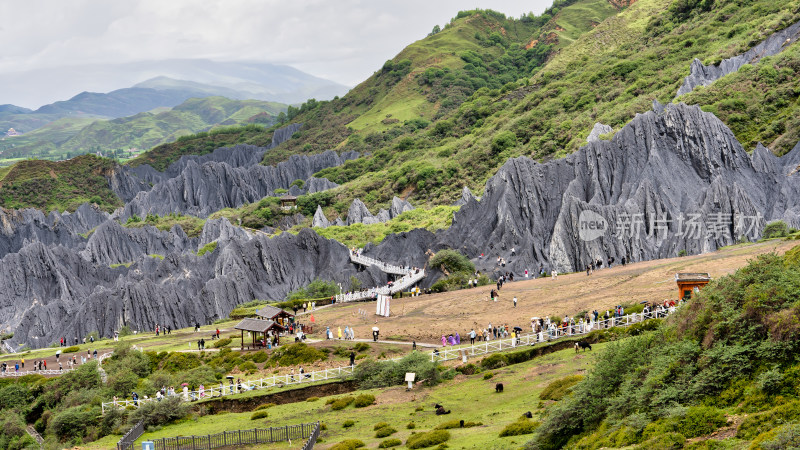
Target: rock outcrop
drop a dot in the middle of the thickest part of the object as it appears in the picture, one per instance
(673, 179)
(702, 75)
(200, 190)
(597, 130)
(466, 197)
(319, 219)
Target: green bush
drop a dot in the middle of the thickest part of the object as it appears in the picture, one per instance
(783, 437)
(411, 425)
(495, 361)
(775, 229)
(348, 424)
(180, 361)
(224, 342)
(296, 354)
(257, 357)
(72, 349)
(374, 374)
(557, 389)
(390, 443)
(259, 415)
(380, 425)
(361, 347)
(385, 431)
(520, 427)
(667, 441)
(341, 403)
(428, 439)
(363, 400)
(488, 375)
(312, 399)
(208, 248)
(160, 413)
(317, 289)
(73, 422)
(456, 424)
(451, 261)
(762, 422)
(348, 444)
(265, 406)
(248, 367)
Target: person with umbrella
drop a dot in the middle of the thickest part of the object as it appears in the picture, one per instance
(517, 331)
(375, 332)
(230, 381)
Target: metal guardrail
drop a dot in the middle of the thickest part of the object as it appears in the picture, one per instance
(10, 373)
(544, 336)
(242, 437)
(246, 386)
(131, 436)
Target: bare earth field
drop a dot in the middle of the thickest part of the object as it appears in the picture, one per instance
(427, 317)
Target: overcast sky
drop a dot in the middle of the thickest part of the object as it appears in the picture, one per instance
(341, 40)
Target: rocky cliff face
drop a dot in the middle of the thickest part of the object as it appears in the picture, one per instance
(359, 213)
(200, 190)
(673, 179)
(702, 75)
(52, 291)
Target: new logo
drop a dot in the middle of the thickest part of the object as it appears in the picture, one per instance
(591, 225)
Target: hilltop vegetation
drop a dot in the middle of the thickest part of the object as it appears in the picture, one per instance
(732, 351)
(70, 136)
(62, 185)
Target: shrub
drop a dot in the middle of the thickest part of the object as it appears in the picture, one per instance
(520, 427)
(456, 424)
(380, 425)
(361, 347)
(775, 229)
(786, 436)
(390, 443)
(452, 261)
(224, 342)
(179, 362)
(160, 413)
(341, 403)
(312, 399)
(385, 431)
(72, 349)
(411, 425)
(557, 389)
(248, 367)
(759, 423)
(363, 400)
(296, 354)
(208, 248)
(428, 439)
(374, 374)
(667, 441)
(73, 422)
(348, 424)
(348, 444)
(265, 406)
(488, 375)
(259, 415)
(495, 361)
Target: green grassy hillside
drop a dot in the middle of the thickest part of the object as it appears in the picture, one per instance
(69, 137)
(67, 184)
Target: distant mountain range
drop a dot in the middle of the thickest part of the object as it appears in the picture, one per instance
(259, 81)
(75, 134)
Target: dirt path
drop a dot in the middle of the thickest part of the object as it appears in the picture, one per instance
(427, 317)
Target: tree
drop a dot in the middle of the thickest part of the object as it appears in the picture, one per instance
(435, 30)
(775, 229)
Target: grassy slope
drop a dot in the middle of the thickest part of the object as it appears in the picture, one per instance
(68, 184)
(144, 130)
(760, 103)
(468, 397)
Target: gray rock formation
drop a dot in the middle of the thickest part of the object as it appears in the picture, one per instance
(200, 190)
(21, 227)
(399, 206)
(319, 219)
(49, 292)
(127, 181)
(466, 197)
(702, 75)
(597, 130)
(671, 180)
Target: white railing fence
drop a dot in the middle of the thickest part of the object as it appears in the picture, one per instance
(22, 373)
(410, 279)
(383, 266)
(222, 390)
(545, 335)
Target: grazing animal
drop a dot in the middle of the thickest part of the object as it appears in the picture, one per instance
(498, 388)
(440, 411)
(461, 422)
(528, 415)
(582, 345)
(437, 406)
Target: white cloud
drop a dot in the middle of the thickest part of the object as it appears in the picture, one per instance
(343, 40)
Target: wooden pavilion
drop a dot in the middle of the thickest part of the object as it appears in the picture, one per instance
(258, 326)
(276, 315)
(288, 202)
(689, 282)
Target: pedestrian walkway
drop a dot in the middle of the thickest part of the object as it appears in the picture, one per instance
(410, 278)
